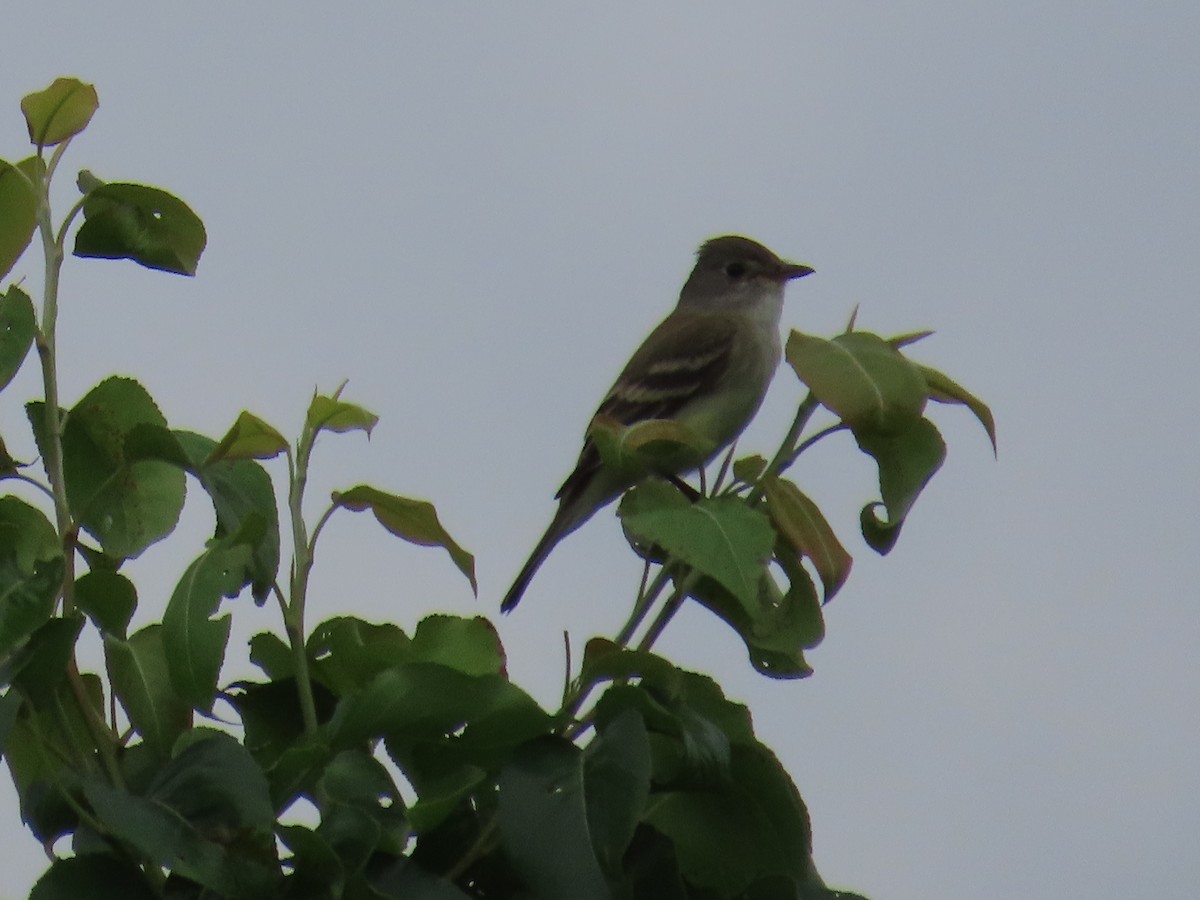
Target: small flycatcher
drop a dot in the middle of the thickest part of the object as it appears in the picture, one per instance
(707, 366)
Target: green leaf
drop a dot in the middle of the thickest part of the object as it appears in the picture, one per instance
(216, 786)
(439, 724)
(616, 780)
(604, 660)
(8, 466)
(95, 876)
(543, 823)
(315, 864)
(429, 703)
(348, 653)
(356, 778)
(145, 224)
(800, 523)
(17, 326)
(271, 715)
(271, 654)
(295, 771)
(11, 703)
(241, 492)
(471, 646)
(944, 390)
(41, 774)
(779, 626)
(108, 599)
(906, 340)
(860, 377)
(442, 794)
(699, 724)
(405, 879)
(40, 665)
(332, 414)
(60, 111)
(351, 833)
(18, 209)
(415, 521)
(31, 571)
(652, 445)
(749, 469)
(141, 680)
(126, 504)
(162, 835)
(740, 830)
(719, 537)
(249, 438)
(146, 442)
(195, 642)
(907, 461)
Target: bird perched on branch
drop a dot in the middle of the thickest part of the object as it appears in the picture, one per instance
(706, 366)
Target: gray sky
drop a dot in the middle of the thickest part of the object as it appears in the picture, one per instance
(475, 212)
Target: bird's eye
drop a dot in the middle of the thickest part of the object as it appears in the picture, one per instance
(735, 269)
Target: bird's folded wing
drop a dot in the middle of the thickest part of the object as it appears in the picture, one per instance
(683, 359)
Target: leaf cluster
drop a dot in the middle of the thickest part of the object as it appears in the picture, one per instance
(366, 762)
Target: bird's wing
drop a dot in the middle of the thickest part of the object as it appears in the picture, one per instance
(673, 366)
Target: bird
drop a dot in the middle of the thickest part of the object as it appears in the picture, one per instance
(706, 366)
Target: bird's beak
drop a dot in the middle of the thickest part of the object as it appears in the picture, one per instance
(796, 270)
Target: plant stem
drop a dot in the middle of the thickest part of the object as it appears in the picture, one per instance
(52, 250)
(301, 567)
(786, 454)
(672, 606)
(641, 608)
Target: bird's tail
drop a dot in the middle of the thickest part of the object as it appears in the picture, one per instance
(571, 514)
(553, 535)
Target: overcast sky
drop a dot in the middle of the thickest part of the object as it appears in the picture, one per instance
(475, 211)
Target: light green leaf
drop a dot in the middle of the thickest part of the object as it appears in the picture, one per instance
(18, 209)
(801, 524)
(415, 521)
(332, 414)
(719, 537)
(60, 111)
(860, 377)
(249, 438)
(144, 224)
(749, 469)
(944, 390)
(652, 445)
(471, 646)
